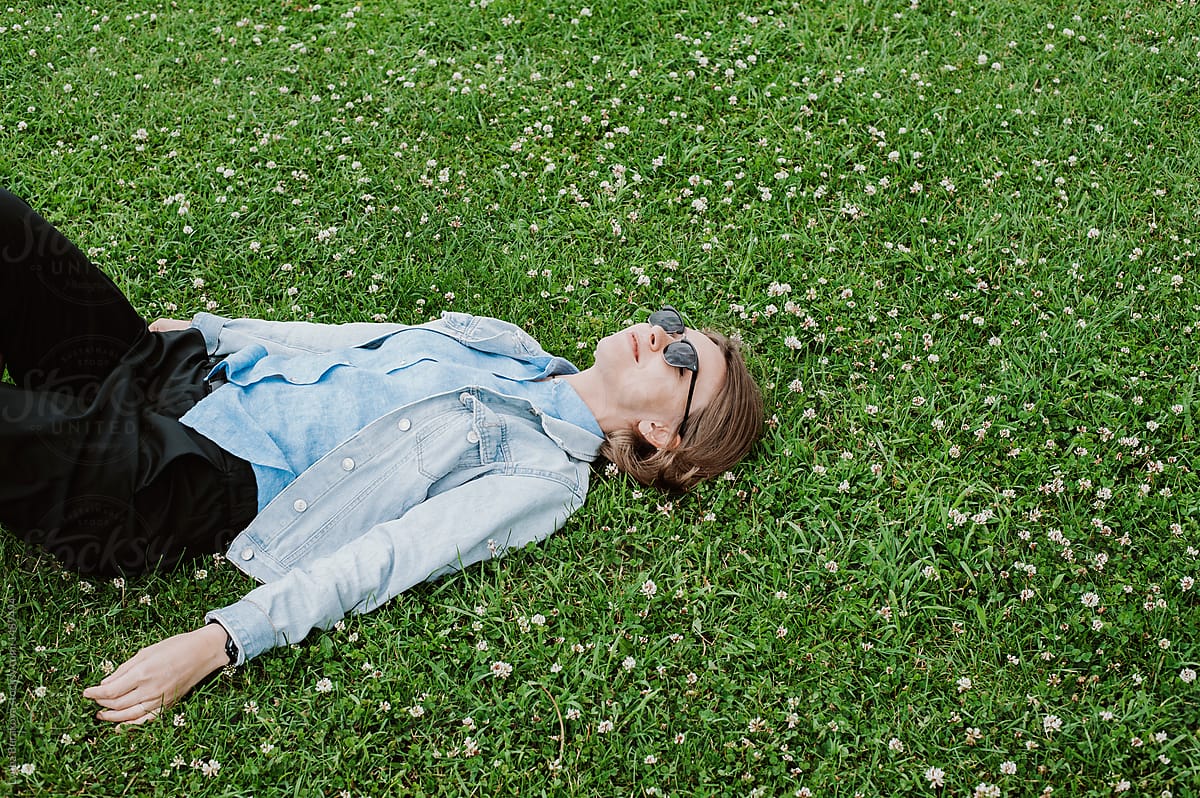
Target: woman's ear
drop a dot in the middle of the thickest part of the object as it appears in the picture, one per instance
(660, 436)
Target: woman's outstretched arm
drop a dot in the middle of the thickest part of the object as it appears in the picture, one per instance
(441, 534)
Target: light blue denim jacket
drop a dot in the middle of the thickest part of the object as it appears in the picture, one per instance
(426, 489)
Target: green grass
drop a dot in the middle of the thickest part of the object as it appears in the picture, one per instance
(954, 378)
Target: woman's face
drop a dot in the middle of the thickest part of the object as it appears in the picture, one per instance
(647, 387)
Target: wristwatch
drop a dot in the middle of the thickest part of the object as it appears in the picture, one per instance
(231, 649)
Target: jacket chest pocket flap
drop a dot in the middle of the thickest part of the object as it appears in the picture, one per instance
(469, 437)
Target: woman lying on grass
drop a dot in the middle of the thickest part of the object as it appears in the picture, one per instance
(337, 464)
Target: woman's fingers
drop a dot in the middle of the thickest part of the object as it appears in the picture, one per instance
(139, 721)
(132, 698)
(128, 701)
(118, 683)
(137, 714)
(106, 692)
(128, 694)
(165, 325)
(106, 685)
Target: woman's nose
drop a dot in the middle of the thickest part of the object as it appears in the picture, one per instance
(658, 338)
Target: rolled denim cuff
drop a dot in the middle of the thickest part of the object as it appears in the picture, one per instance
(209, 326)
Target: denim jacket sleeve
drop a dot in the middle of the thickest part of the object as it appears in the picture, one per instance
(225, 336)
(444, 533)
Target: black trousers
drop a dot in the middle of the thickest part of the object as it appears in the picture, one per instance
(94, 464)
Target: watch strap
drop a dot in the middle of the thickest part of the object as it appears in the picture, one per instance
(231, 649)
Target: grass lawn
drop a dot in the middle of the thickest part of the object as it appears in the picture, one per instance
(958, 240)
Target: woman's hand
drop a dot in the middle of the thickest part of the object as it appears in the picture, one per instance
(159, 675)
(166, 325)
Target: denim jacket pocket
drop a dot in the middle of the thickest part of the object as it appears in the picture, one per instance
(470, 436)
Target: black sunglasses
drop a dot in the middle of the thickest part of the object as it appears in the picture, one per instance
(681, 354)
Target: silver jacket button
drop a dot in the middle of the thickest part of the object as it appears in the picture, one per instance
(404, 425)
(300, 505)
(348, 464)
(472, 437)
(247, 554)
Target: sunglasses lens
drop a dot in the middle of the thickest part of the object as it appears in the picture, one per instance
(669, 319)
(681, 355)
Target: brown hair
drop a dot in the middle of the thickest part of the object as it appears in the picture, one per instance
(716, 437)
